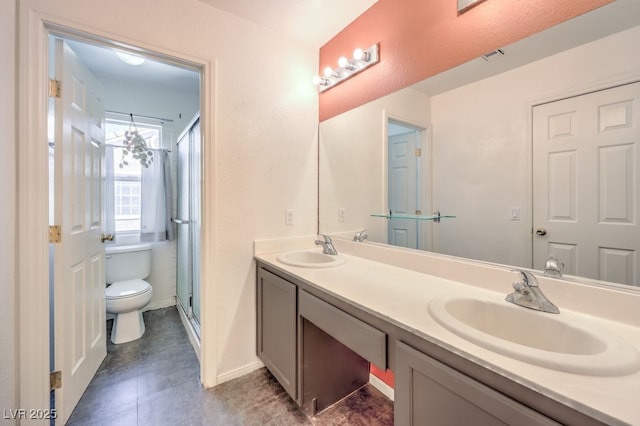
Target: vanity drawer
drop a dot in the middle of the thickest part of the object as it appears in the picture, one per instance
(360, 337)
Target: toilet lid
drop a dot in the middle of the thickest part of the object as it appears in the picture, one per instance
(128, 288)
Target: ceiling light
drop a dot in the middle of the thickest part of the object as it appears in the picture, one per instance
(129, 58)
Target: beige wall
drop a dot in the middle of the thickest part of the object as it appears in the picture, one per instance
(264, 123)
(7, 212)
(482, 161)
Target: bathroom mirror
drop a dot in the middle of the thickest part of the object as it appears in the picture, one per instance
(467, 137)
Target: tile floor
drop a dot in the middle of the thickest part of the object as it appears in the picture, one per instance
(154, 381)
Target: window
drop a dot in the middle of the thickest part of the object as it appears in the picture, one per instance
(127, 178)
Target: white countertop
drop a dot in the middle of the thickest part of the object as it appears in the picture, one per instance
(401, 296)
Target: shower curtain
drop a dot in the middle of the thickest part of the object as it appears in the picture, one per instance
(155, 214)
(155, 208)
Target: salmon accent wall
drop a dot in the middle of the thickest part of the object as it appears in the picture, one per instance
(421, 38)
(385, 375)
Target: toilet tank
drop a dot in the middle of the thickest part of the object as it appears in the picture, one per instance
(128, 262)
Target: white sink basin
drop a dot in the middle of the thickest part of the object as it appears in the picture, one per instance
(557, 341)
(313, 258)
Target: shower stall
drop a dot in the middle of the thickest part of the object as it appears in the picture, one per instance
(188, 223)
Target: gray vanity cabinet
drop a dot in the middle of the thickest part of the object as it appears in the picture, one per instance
(277, 328)
(319, 348)
(428, 392)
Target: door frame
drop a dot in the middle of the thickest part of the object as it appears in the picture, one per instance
(425, 238)
(32, 243)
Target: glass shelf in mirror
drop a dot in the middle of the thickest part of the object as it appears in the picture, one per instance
(435, 218)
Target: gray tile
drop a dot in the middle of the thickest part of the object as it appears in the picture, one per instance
(103, 401)
(178, 404)
(257, 399)
(155, 381)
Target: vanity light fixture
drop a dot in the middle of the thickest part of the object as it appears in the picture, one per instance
(361, 60)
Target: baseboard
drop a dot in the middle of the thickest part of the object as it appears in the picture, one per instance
(238, 372)
(159, 304)
(382, 386)
(191, 333)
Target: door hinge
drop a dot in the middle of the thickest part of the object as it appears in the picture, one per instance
(55, 88)
(55, 380)
(55, 233)
(418, 152)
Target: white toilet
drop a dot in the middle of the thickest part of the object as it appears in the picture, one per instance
(128, 293)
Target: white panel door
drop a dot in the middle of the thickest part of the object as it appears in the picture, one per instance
(586, 160)
(79, 275)
(403, 189)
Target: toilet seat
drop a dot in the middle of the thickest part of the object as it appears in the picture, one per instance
(127, 289)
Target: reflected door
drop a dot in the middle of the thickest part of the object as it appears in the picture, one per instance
(403, 189)
(586, 160)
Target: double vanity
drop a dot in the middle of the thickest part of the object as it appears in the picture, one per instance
(458, 350)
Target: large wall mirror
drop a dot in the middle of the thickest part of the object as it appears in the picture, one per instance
(499, 143)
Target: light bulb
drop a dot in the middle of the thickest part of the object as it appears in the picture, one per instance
(316, 80)
(343, 62)
(361, 55)
(328, 72)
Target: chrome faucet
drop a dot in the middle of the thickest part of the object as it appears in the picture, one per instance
(360, 236)
(528, 294)
(553, 267)
(327, 245)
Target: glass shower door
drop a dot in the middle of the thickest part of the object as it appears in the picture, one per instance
(188, 223)
(184, 271)
(195, 181)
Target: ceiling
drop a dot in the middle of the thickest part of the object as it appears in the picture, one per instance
(104, 63)
(313, 22)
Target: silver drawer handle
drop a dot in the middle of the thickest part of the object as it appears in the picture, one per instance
(180, 221)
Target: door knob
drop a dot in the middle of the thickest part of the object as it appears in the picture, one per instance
(104, 237)
(541, 231)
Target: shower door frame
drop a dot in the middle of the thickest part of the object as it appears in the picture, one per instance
(188, 184)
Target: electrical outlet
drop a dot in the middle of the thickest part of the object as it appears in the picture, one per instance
(340, 215)
(288, 217)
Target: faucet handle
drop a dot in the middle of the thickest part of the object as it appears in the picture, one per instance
(528, 279)
(519, 287)
(360, 236)
(553, 267)
(327, 239)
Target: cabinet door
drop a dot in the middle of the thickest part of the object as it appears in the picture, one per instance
(277, 328)
(430, 393)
